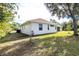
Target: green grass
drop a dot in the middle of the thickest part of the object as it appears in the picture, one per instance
(12, 37)
(62, 46)
(57, 34)
(57, 44)
(16, 36)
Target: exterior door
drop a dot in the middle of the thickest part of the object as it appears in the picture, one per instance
(58, 28)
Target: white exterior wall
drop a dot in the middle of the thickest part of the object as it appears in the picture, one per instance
(35, 29)
(26, 29)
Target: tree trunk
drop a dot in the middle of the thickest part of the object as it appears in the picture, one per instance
(74, 21)
(75, 27)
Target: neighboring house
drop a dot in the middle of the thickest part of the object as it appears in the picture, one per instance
(38, 26)
(58, 25)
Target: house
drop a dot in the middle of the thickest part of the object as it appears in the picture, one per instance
(38, 26)
(58, 25)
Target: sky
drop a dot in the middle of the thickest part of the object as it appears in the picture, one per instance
(28, 11)
(32, 10)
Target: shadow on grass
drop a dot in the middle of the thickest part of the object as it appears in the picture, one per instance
(49, 46)
(16, 49)
(13, 36)
(20, 49)
(41, 46)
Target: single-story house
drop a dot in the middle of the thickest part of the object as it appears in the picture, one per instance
(39, 26)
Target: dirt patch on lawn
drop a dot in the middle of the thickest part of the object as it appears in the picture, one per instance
(20, 46)
(16, 44)
(13, 37)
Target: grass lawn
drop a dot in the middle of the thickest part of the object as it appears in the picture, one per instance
(12, 37)
(17, 36)
(57, 34)
(57, 44)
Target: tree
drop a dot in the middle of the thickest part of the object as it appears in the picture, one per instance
(64, 24)
(15, 25)
(7, 14)
(67, 26)
(70, 10)
(7, 11)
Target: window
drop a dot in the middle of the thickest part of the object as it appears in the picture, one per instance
(52, 25)
(40, 27)
(48, 26)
